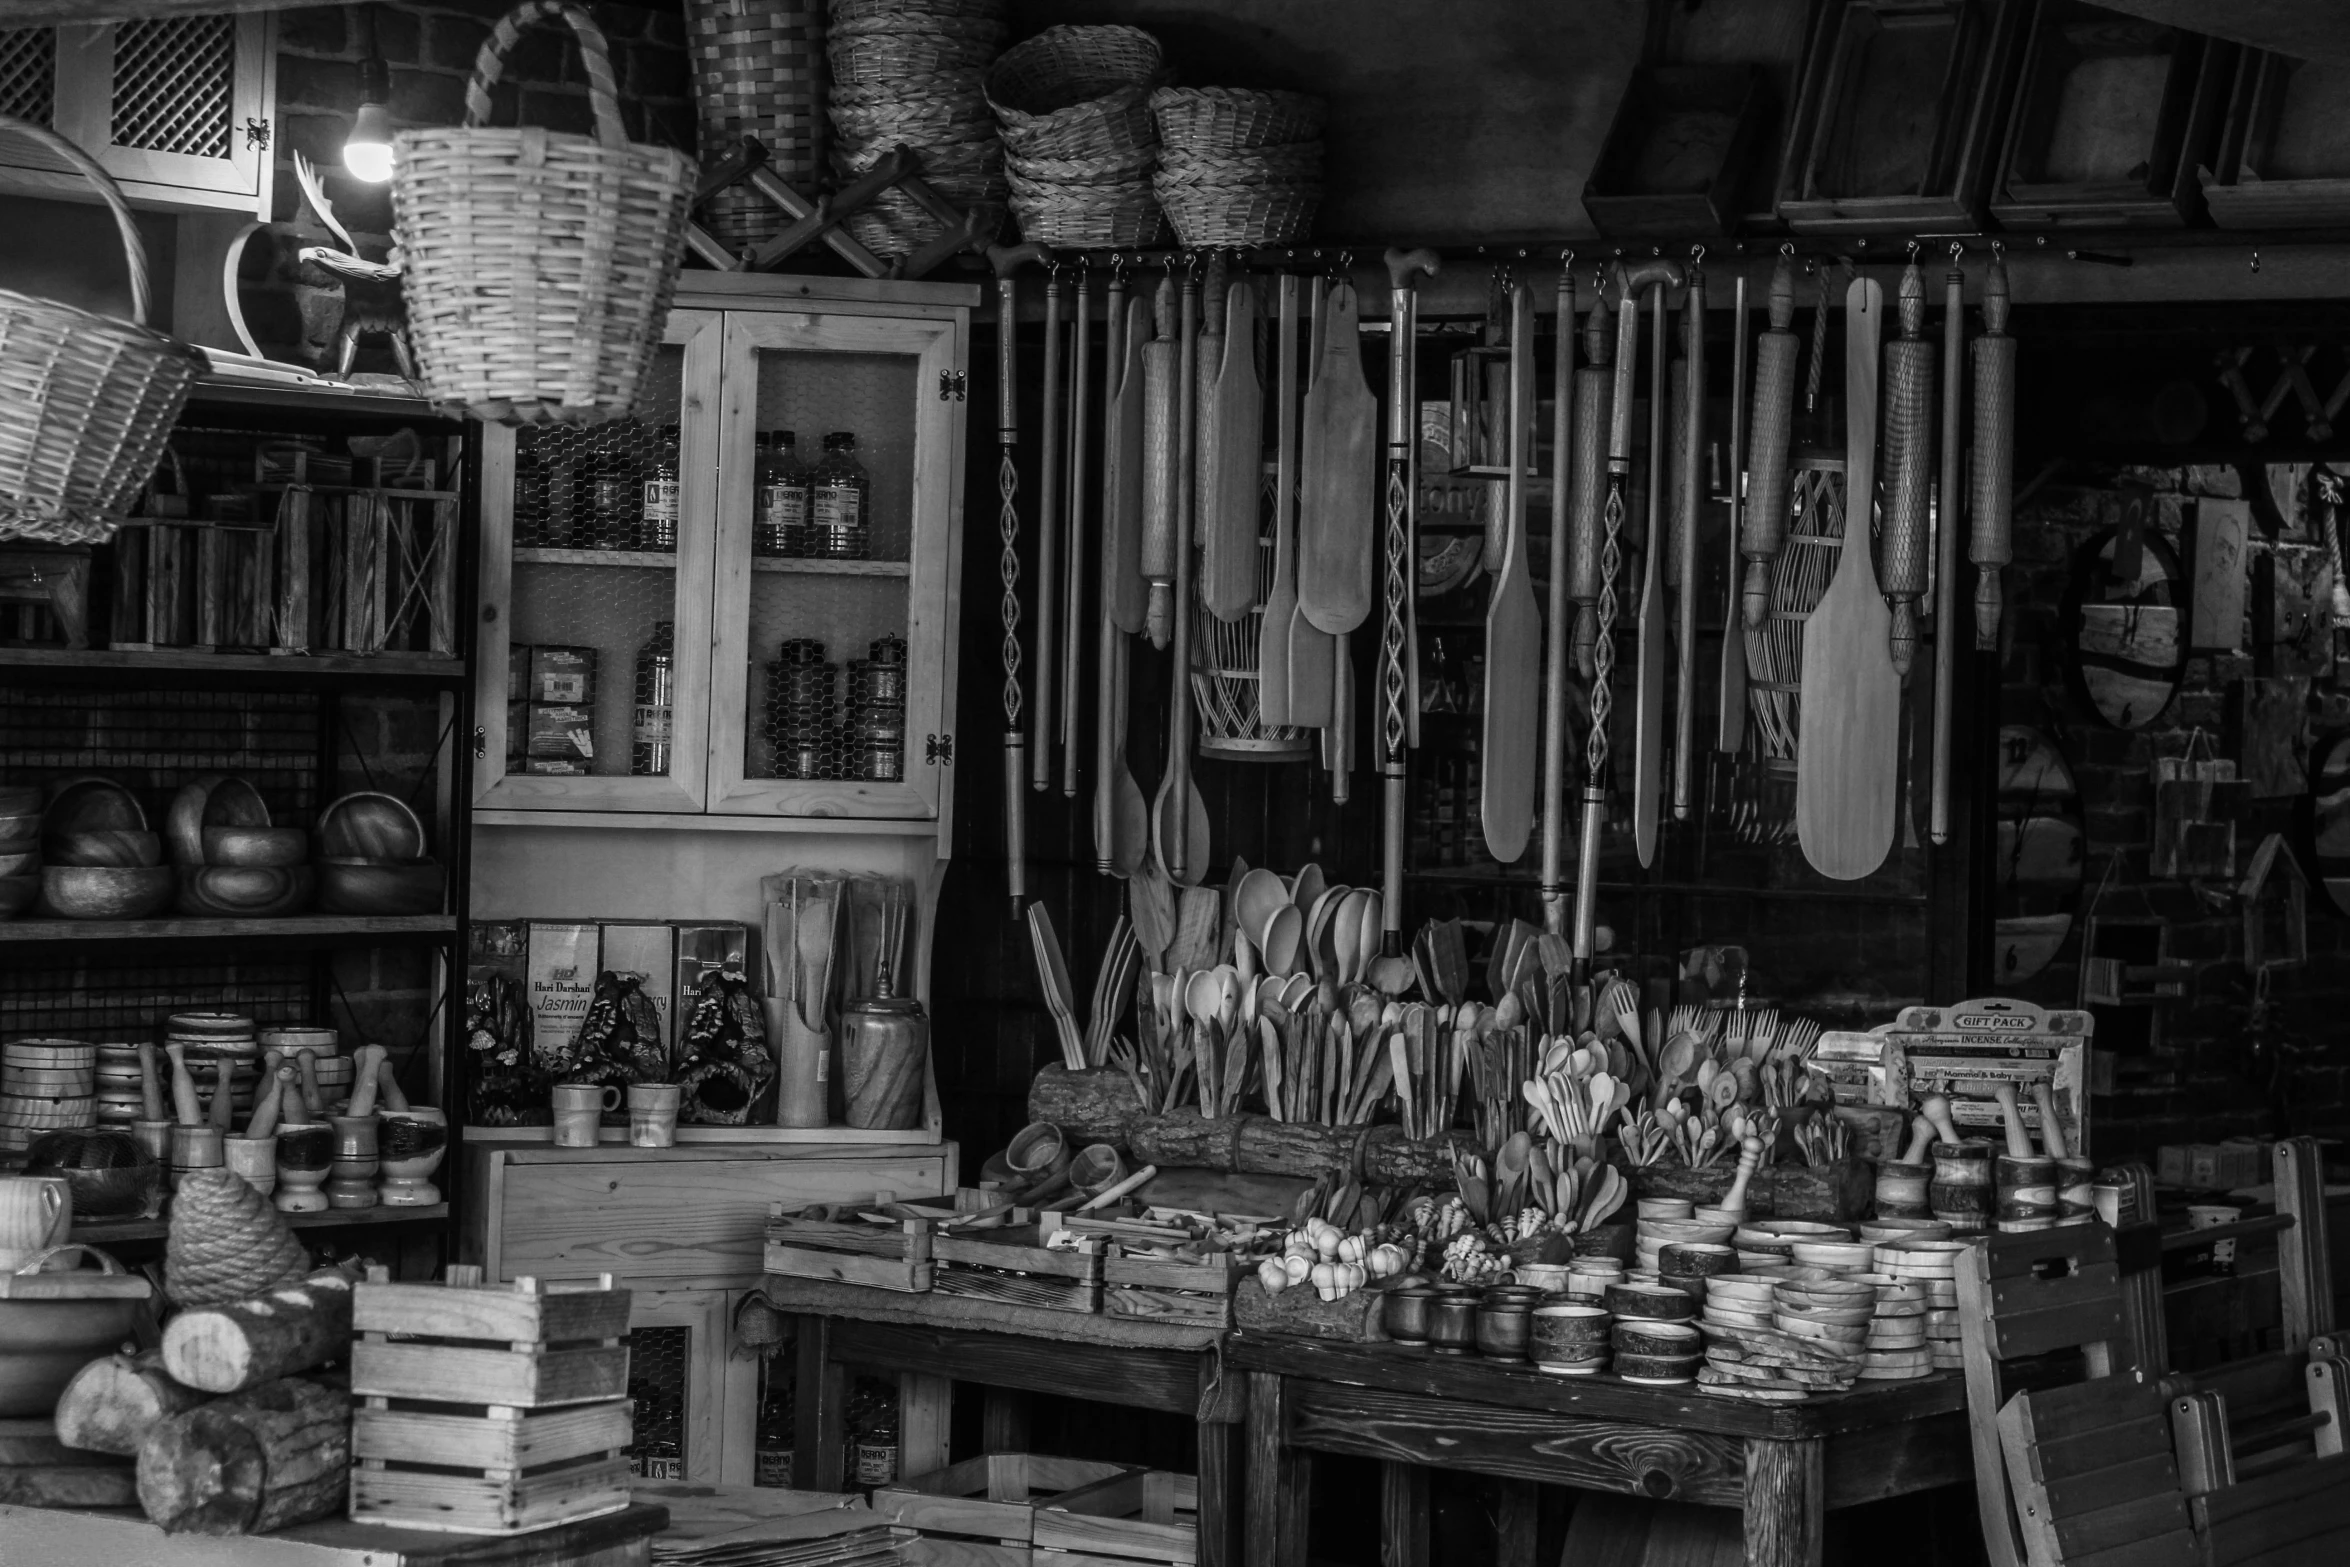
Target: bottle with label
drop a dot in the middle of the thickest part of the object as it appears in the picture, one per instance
(656, 701)
(839, 494)
(613, 499)
(776, 1435)
(535, 523)
(779, 506)
(656, 527)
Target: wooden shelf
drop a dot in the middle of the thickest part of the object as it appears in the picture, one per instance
(319, 929)
(614, 1139)
(103, 1232)
(641, 560)
(302, 397)
(242, 670)
(1516, 876)
(693, 821)
(793, 565)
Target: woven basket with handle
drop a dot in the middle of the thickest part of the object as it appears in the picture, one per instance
(86, 401)
(540, 264)
(1077, 92)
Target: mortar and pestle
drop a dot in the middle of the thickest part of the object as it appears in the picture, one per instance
(412, 1142)
(352, 1184)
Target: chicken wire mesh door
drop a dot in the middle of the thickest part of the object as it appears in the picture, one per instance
(834, 491)
(597, 549)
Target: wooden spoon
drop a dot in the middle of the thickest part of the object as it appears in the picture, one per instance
(1256, 900)
(1130, 815)
(1310, 885)
(1513, 627)
(1283, 933)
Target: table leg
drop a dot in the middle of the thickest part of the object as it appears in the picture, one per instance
(1403, 1515)
(1786, 1503)
(1218, 1512)
(1280, 1478)
(822, 1404)
(926, 1406)
(1003, 1421)
(1516, 1528)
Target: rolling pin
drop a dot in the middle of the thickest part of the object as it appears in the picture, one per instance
(1769, 432)
(363, 1084)
(1073, 612)
(2051, 1129)
(387, 1086)
(268, 1096)
(1161, 364)
(184, 1107)
(1991, 475)
(222, 1110)
(1594, 392)
(1688, 491)
(2019, 1141)
(1908, 460)
(150, 1085)
(1048, 548)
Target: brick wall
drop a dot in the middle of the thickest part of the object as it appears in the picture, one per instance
(2202, 1080)
(386, 994)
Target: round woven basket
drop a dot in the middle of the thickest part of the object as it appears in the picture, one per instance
(86, 401)
(1208, 119)
(540, 265)
(1223, 216)
(927, 15)
(1279, 165)
(1089, 217)
(948, 160)
(883, 60)
(1076, 92)
(758, 71)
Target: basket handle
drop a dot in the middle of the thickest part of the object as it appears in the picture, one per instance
(134, 249)
(594, 53)
(39, 1259)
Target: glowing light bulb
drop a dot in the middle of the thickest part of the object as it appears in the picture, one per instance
(367, 155)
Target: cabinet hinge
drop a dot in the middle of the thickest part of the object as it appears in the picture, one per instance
(257, 134)
(939, 749)
(952, 384)
(481, 742)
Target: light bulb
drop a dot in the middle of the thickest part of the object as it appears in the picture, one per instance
(368, 154)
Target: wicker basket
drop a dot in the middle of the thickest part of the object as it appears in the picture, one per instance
(1208, 213)
(758, 71)
(540, 265)
(1090, 203)
(86, 401)
(1229, 119)
(885, 60)
(1282, 165)
(1077, 92)
(925, 15)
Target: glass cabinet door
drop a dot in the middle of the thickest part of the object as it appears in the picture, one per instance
(836, 490)
(596, 562)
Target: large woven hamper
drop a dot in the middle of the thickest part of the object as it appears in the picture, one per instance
(86, 401)
(540, 265)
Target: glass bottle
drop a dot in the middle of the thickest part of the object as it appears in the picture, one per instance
(840, 493)
(656, 700)
(778, 1418)
(534, 515)
(656, 527)
(613, 496)
(780, 506)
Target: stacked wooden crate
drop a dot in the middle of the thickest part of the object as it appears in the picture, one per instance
(1019, 1509)
(488, 1409)
(893, 1256)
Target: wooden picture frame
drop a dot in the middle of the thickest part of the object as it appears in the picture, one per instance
(2284, 157)
(1903, 102)
(2112, 114)
(1674, 160)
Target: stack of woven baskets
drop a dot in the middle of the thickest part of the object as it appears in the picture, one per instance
(907, 73)
(1073, 106)
(1238, 167)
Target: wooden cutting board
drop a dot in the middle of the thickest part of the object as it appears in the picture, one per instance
(1848, 758)
(1513, 627)
(1232, 477)
(1313, 655)
(1337, 521)
(1125, 595)
(1281, 601)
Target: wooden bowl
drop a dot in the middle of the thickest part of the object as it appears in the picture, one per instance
(107, 892)
(90, 803)
(368, 825)
(1633, 1301)
(20, 824)
(1669, 1339)
(255, 846)
(117, 846)
(214, 800)
(25, 862)
(1842, 1256)
(1656, 1370)
(20, 800)
(348, 886)
(245, 891)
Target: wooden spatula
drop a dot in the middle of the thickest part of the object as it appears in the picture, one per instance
(1313, 654)
(1281, 602)
(1648, 713)
(1848, 761)
(1231, 481)
(1124, 593)
(1513, 626)
(1337, 502)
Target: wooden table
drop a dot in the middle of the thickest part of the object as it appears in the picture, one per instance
(933, 1341)
(1783, 1465)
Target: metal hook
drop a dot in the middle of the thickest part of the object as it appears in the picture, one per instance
(1696, 255)
(1957, 249)
(2256, 258)
(1914, 248)
(1998, 249)
(1787, 248)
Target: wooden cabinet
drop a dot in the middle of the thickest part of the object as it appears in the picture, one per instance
(805, 667)
(696, 1400)
(177, 108)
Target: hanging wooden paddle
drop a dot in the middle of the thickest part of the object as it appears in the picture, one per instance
(1336, 502)
(1688, 492)
(1648, 691)
(1557, 912)
(1179, 817)
(1909, 459)
(1397, 587)
(1769, 435)
(1048, 547)
(1991, 487)
(1594, 396)
(1849, 762)
(1231, 484)
(1946, 514)
(1513, 626)
(1281, 603)
(1313, 653)
(1007, 261)
(1730, 725)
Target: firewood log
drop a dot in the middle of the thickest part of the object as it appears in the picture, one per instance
(269, 1457)
(112, 1403)
(242, 1343)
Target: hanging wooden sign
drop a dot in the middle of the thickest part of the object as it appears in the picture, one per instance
(2041, 855)
(2127, 652)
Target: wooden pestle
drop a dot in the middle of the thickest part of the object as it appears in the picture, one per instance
(2019, 1141)
(363, 1084)
(1936, 1110)
(268, 1094)
(2051, 1129)
(313, 1102)
(1750, 1156)
(1921, 1140)
(185, 1110)
(150, 1085)
(291, 1096)
(387, 1085)
(222, 1111)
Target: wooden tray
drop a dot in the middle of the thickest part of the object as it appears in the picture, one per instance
(1012, 1265)
(1903, 101)
(1148, 1515)
(2112, 116)
(1683, 139)
(2284, 158)
(1165, 1289)
(851, 1253)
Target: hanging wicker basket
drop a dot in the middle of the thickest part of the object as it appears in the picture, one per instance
(1232, 119)
(1077, 92)
(87, 401)
(1209, 210)
(540, 265)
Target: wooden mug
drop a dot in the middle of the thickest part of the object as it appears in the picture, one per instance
(36, 1212)
(579, 1108)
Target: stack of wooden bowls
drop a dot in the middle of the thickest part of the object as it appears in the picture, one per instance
(330, 1072)
(120, 1099)
(99, 861)
(1657, 1230)
(20, 848)
(1770, 1243)
(1739, 1300)
(1831, 1316)
(210, 1038)
(1897, 1346)
(1932, 1266)
(46, 1085)
(373, 858)
(232, 863)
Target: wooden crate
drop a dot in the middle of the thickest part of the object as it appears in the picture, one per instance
(1171, 1289)
(992, 1497)
(519, 1346)
(1147, 1515)
(851, 1253)
(1013, 1266)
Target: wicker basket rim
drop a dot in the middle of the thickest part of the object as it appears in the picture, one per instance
(81, 320)
(1066, 41)
(1273, 97)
